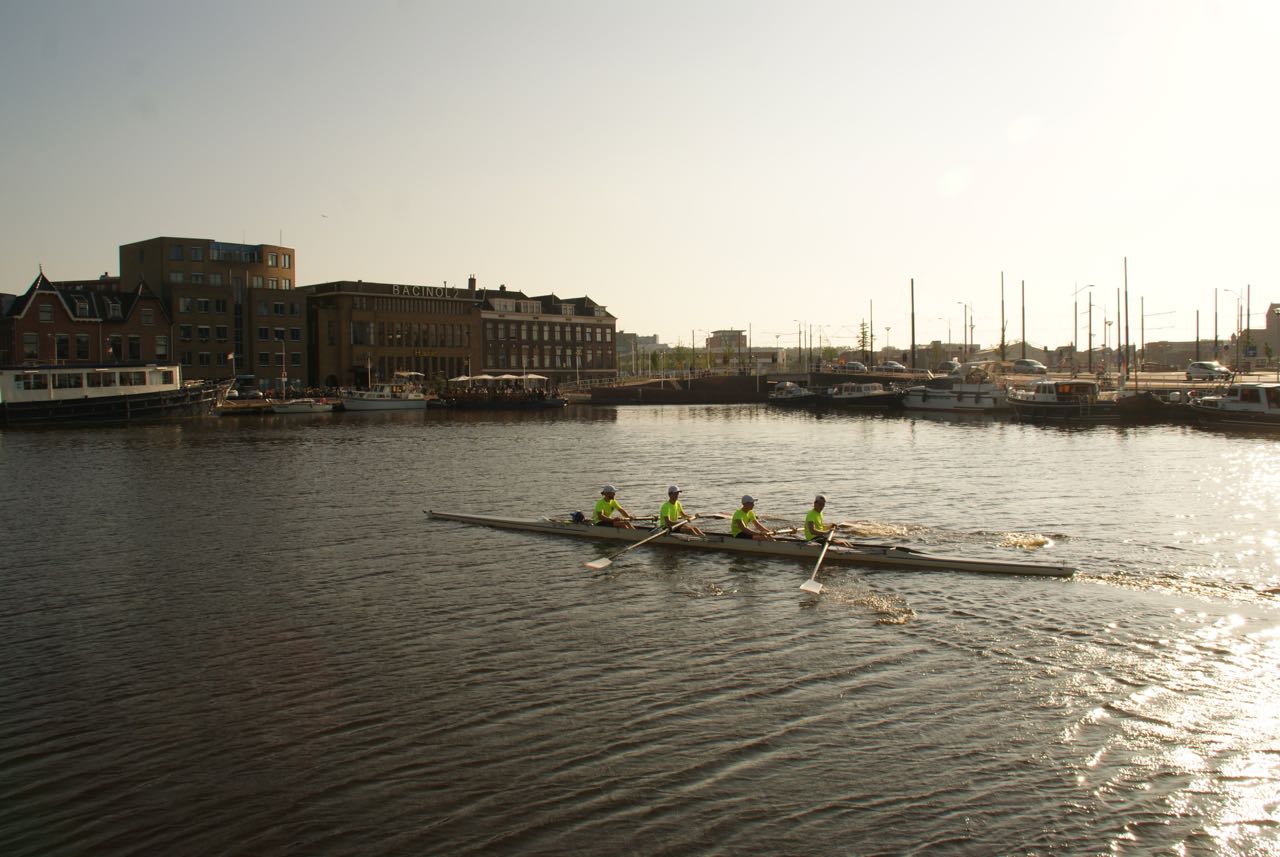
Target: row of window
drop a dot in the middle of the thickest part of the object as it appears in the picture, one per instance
(535, 332)
(178, 253)
(546, 357)
(92, 380)
(264, 334)
(408, 334)
(45, 310)
(62, 346)
(198, 278)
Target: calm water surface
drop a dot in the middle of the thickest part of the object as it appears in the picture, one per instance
(244, 637)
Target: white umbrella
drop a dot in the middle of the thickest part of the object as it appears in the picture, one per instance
(461, 378)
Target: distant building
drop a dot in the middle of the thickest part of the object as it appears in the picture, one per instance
(564, 339)
(362, 332)
(85, 321)
(226, 299)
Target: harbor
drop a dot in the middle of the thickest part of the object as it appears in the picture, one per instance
(300, 651)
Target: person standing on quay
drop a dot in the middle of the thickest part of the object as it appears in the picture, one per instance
(606, 506)
(673, 516)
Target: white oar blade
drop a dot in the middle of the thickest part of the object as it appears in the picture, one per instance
(812, 586)
(597, 564)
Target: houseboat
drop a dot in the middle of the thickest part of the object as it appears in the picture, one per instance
(92, 393)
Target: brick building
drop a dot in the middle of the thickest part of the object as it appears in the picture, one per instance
(564, 339)
(85, 321)
(226, 299)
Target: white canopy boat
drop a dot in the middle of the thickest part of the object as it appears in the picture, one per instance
(301, 406)
(860, 554)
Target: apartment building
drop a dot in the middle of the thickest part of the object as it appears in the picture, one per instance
(233, 306)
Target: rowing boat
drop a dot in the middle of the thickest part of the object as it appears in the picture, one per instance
(859, 554)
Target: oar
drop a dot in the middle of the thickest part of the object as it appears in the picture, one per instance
(812, 584)
(605, 562)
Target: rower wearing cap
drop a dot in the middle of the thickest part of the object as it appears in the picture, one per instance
(606, 506)
(673, 516)
(744, 524)
(815, 529)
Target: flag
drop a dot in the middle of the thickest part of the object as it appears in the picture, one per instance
(231, 355)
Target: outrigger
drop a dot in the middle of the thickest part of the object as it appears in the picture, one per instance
(858, 554)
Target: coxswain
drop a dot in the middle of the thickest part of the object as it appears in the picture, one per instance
(744, 524)
(815, 530)
(673, 516)
(606, 506)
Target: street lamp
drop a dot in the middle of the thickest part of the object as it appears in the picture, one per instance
(1075, 321)
(1237, 334)
(964, 326)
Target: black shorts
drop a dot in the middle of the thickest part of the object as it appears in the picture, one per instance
(604, 522)
(745, 534)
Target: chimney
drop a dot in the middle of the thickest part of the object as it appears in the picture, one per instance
(502, 288)
(471, 283)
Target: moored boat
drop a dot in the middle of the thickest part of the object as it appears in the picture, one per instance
(1243, 404)
(82, 393)
(789, 394)
(301, 406)
(969, 389)
(1082, 401)
(894, 556)
(403, 392)
(852, 394)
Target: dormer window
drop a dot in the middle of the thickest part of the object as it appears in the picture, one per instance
(113, 309)
(82, 306)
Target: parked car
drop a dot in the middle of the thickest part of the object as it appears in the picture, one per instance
(946, 367)
(1207, 370)
(1027, 366)
(855, 366)
(891, 366)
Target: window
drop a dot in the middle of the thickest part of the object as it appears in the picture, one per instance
(46, 312)
(273, 283)
(175, 253)
(294, 309)
(101, 379)
(262, 307)
(257, 281)
(204, 358)
(278, 307)
(264, 334)
(115, 347)
(279, 358)
(61, 346)
(215, 279)
(264, 358)
(286, 261)
(82, 306)
(186, 304)
(202, 333)
(220, 333)
(135, 347)
(279, 334)
(197, 254)
(184, 333)
(82, 346)
(566, 309)
(148, 315)
(202, 304)
(295, 334)
(68, 382)
(162, 348)
(295, 359)
(286, 282)
(175, 276)
(220, 358)
(185, 358)
(113, 309)
(220, 305)
(197, 278)
(271, 260)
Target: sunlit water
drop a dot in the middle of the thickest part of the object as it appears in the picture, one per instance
(244, 636)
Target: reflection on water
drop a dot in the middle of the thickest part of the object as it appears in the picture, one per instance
(244, 636)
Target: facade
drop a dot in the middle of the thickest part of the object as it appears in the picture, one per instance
(85, 322)
(233, 306)
(361, 333)
(570, 339)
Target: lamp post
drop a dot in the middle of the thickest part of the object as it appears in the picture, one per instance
(1276, 311)
(1075, 321)
(964, 327)
(1237, 335)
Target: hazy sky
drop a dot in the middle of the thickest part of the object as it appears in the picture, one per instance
(691, 165)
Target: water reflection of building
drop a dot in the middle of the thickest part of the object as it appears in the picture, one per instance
(565, 339)
(363, 332)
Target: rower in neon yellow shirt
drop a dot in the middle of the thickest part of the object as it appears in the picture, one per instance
(744, 524)
(815, 529)
(673, 516)
(606, 506)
